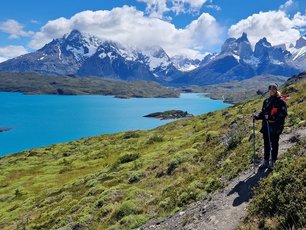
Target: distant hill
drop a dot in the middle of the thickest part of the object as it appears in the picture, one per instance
(33, 83)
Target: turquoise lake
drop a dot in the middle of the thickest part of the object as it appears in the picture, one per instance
(40, 120)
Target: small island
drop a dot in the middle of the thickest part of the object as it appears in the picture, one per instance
(170, 114)
(4, 129)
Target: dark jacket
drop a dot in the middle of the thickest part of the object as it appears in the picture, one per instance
(276, 108)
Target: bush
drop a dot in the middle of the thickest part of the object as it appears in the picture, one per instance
(128, 157)
(211, 135)
(128, 207)
(134, 178)
(133, 221)
(130, 134)
(155, 138)
(172, 165)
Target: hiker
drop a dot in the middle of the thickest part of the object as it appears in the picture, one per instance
(273, 114)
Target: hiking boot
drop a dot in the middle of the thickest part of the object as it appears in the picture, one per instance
(264, 165)
(271, 164)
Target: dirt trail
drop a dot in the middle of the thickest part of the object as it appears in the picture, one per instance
(226, 208)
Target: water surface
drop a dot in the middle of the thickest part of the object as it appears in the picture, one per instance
(40, 120)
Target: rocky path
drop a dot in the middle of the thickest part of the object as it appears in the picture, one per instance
(226, 208)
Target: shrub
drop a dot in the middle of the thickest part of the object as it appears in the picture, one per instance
(155, 138)
(211, 135)
(128, 207)
(134, 178)
(172, 165)
(130, 134)
(128, 157)
(133, 221)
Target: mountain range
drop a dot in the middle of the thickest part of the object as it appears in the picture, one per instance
(81, 54)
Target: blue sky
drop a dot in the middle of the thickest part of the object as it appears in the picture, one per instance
(185, 27)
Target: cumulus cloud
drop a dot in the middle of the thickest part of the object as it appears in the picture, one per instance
(276, 26)
(14, 29)
(157, 8)
(12, 51)
(128, 26)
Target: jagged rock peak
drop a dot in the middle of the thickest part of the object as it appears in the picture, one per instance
(243, 38)
(264, 42)
(301, 42)
(73, 35)
(282, 46)
(240, 46)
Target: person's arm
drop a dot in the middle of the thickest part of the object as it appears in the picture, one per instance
(282, 114)
(262, 113)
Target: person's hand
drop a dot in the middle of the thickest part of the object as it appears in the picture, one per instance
(266, 117)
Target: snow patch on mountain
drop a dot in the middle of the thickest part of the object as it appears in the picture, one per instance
(186, 64)
(156, 57)
(297, 53)
(253, 61)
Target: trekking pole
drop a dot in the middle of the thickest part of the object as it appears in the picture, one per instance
(254, 143)
(269, 137)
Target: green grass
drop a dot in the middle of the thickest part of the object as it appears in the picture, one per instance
(122, 180)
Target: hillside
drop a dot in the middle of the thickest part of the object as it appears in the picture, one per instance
(122, 180)
(239, 91)
(33, 83)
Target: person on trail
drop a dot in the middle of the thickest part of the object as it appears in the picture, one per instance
(273, 114)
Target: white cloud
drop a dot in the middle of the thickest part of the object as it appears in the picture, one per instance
(12, 51)
(128, 26)
(214, 7)
(157, 8)
(276, 26)
(286, 6)
(299, 20)
(2, 59)
(15, 29)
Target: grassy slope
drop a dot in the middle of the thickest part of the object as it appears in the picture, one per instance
(33, 83)
(238, 91)
(279, 200)
(124, 179)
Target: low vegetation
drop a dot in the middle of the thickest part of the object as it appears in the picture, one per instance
(122, 180)
(279, 201)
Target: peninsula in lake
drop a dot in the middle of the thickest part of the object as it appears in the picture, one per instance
(34, 83)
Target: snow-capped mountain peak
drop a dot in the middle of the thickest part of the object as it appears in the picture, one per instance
(299, 53)
(82, 45)
(156, 57)
(184, 63)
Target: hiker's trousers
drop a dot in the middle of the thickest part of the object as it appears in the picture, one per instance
(274, 142)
